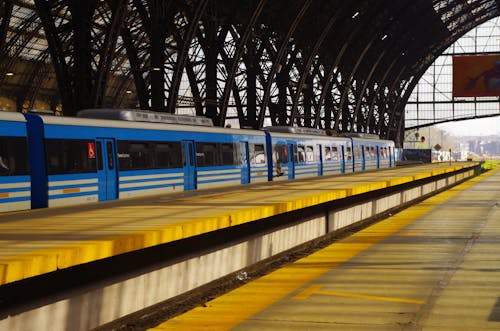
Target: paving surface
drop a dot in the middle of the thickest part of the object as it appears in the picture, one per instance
(434, 266)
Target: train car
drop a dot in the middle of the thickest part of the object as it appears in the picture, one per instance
(386, 151)
(15, 184)
(368, 152)
(305, 152)
(109, 154)
(89, 159)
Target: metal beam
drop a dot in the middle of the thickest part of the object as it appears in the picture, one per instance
(350, 76)
(107, 52)
(235, 61)
(182, 56)
(5, 15)
(277, 64)
(57, 54)
(312, 54)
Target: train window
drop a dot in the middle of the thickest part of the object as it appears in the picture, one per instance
(284, 154)
(143, 155)
(328, 153)
(162, 155)
(68, 156)
(13, 156)
(206, 154)
(257, 154)
(280, 154)
(167, 155)
(335, 153)
(228, 157)
(111, 159)
(98, 150)
(190, 155)
(241, 154)
(370, 152)
(348, 153)
(139, 155)
(133, 155)
(239, 157)
(309, 154)
(300, 154)
(357, 152)
(191, 160)
(183, 156)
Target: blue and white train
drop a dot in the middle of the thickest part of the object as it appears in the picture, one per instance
(48, 161)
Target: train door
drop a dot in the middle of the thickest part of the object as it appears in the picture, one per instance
(291, 161)
(245, 162)
(342, 159)
(107, 173)
(189, 163)
(377, 155)
(319, 158)
(349, 158)
(363, 154)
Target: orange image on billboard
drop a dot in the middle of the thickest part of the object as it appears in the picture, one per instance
(476, 75)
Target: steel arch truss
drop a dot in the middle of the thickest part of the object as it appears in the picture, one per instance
(345, 66)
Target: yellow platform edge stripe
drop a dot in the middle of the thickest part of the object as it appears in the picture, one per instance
(227, 311)
(47, 260)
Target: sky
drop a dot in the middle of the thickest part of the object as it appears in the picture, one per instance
(477, 127)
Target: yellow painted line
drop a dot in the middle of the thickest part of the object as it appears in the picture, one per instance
(410, 233)
(227, 311)
(308, 292)
(422, 175)
(316, 289)
(399, 181)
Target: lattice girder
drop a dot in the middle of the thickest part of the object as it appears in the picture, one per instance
(340, 65)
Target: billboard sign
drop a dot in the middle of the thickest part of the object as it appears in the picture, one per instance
(476, 75)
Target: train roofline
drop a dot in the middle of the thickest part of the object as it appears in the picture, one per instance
(106, 123)
(372, 140)
(307, 136)
(11, 116)
(139, 115)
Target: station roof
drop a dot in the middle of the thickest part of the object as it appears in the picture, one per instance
(359, 44)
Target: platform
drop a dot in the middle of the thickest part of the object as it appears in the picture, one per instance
(434, 266)
(90, 265)
(40, 241)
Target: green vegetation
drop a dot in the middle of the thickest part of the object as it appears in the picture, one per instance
(490, 164)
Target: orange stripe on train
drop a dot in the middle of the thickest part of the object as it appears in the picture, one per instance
(71, 190)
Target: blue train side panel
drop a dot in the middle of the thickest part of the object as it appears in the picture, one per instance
(372, 154)
(297, 155)
(102, 173)
(15, 186)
